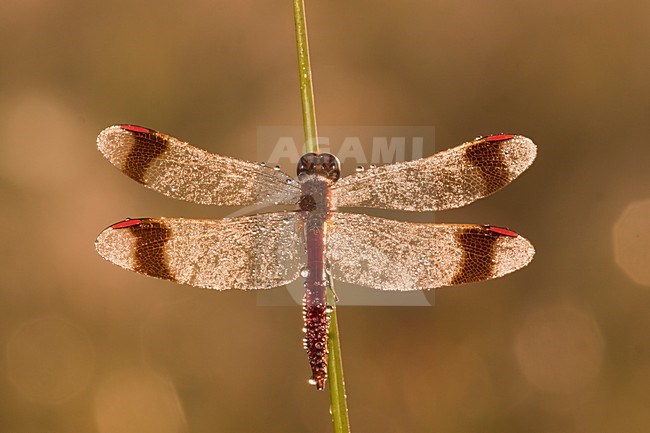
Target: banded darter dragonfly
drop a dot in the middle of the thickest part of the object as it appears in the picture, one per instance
(315, 241)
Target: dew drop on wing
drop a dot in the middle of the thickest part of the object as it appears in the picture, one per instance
(373, 165)
(304, 272)
(359, 168)
(276, 168)
(311, 382)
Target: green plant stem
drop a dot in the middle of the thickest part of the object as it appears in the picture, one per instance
(338, 396)
(306, 87)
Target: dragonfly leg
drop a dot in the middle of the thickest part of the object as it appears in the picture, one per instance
(328, 281)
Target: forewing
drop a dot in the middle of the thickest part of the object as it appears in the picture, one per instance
(182, 171)
(393, 255)
(252, 252)
(446, 180)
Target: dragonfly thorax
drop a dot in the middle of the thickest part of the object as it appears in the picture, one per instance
(315, 195)
(321, 164)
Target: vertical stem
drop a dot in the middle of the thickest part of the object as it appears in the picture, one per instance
(338, 397)
(304, 69)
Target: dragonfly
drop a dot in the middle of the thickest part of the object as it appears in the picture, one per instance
(314, 240)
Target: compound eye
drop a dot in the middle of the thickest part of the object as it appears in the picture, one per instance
(330, 159)
(331, 166)
(306, 163)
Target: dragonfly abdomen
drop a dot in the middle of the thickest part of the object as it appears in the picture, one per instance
(315, 311)
(316, 205)
(316, 316)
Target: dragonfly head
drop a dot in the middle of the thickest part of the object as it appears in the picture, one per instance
(323, 164)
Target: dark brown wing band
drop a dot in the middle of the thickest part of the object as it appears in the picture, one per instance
(475, 267)
(488, 159)
(147, 146)
(151, 237)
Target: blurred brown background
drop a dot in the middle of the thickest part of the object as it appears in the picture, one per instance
(562, 346)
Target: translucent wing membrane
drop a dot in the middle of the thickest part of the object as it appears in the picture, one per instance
(392, 255)
(252, 252)
(448, 179)
(181, 171)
